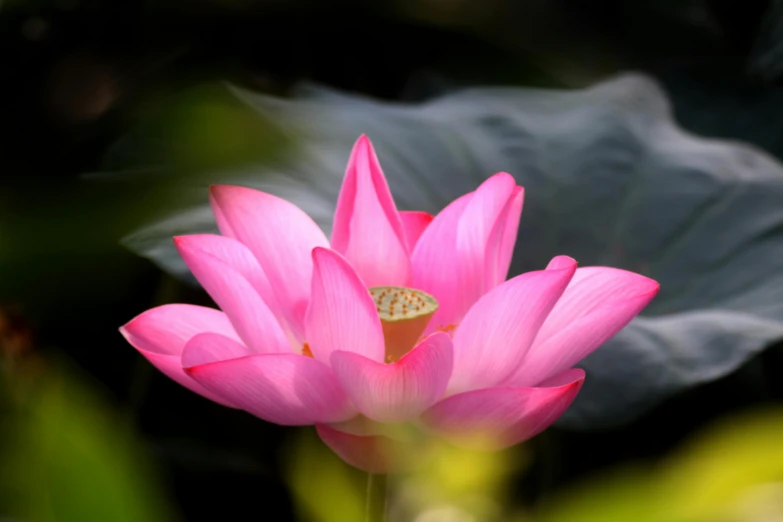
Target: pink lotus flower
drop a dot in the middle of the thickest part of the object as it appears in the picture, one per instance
(401, 318)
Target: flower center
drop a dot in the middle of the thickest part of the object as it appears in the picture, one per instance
(404, 314)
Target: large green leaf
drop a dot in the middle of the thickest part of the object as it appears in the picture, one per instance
(610, 180)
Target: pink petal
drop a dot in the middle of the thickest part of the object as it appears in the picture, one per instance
(492, 340)
(598, 303)
(486, 212)
(342, 314)
(211, 347)
(373, 454)
(455, 257)
(495, 418)
(281, 237)
(507, 227)
(171, 366)
(400, 391)
(160, 335)
(561, 379)
(287, 389)
(414, 223)
(252, 319)
(435, 266)
(367, 228)
(240, 258)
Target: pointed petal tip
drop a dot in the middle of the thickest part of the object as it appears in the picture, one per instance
(223, 194)
(182, 241)
(319, 251)
(124, 330)
(132, 328)
(653, 287)
(322, 255)
(190, 240)
(220, 188)
(501, 181)
(362, 144)
(645, 285)
(562, 263)
(648, 288)
(519, 193)
(217, 190)
(574, 377)
(503, 174)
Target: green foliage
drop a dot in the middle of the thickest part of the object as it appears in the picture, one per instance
(69, 459)
(732, 473)
(324, 488)
(203, 130)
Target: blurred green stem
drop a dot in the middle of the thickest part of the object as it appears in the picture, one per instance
(375, 506)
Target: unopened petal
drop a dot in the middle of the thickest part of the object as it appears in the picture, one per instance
(399, 391)
(497, 332)
(598, 303)
(368, 229)
(252, 319)
(286, 389)
(341, 314)
(495, 418)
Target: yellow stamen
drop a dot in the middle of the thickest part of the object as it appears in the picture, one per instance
(306, 351)
(402, 324)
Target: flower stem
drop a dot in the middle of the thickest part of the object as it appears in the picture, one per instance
(375, 506)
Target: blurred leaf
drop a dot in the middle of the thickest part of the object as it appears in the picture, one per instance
(68, 459)
(719, 469)
(203, 129)
(726, 474)
(610, 180)
(471, 484)
(459, 471)
(619, 496)
(325, 489)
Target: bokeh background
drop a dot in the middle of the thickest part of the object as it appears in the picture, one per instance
(648, 134)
